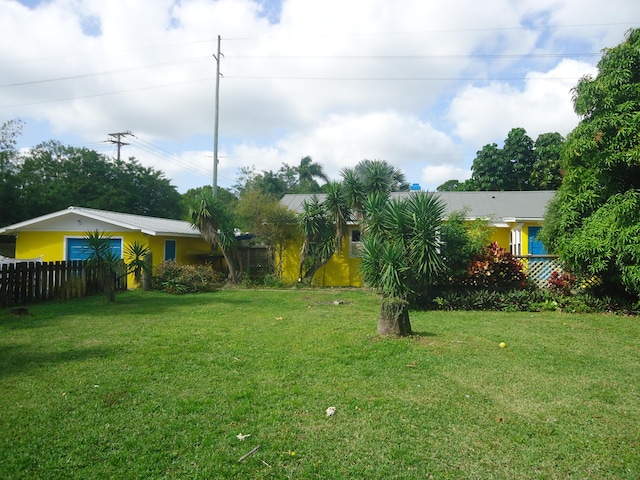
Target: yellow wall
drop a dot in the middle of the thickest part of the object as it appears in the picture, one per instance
(51, 245)
(343, 271)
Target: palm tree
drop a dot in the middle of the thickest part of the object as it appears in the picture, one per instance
(380, 176)
(400, 253)
(308, 171)
(215, 223)
(370, 177)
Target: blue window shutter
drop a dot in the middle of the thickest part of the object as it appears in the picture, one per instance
(76, 248)
(169, 250)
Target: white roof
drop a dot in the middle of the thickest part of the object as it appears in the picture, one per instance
(514, 206)
(79, 219)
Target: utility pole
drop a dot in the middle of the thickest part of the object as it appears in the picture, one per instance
(215, 124)
(116, 139)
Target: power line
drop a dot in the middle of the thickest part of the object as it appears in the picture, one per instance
(416, 57)
(106, 72)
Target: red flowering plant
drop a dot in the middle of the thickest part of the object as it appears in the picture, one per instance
(496, 269)
(562, 283)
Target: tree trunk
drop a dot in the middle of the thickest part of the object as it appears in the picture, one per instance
(109, 284)
(233, 273)
(147, 273)
(394, 317)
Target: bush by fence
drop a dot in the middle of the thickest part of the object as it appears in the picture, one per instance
(33, 282)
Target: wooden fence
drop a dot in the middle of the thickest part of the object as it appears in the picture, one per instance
(32, 282)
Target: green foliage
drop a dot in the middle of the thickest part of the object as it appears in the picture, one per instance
(520, 165)
(102, 258)
(135, 254)
(593, 221)
(54, 176)
(495, 269)
(273, 224)
(179, 279)
(318, 233)
(529, 300)
(301, 179)
(400, 244)
(12, 209)
(216, 224)
(461, 241)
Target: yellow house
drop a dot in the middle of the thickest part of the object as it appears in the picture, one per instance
(58, 236)
(515, 216)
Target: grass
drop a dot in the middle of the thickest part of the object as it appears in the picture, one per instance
(158, 386)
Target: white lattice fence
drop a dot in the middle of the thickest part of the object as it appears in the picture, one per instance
(540, 267)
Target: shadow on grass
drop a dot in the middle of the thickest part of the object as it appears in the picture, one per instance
(132, 302)
(16, 360)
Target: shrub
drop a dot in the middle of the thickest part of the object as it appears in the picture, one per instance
(496, 269)
(174, 278)
(561, 283)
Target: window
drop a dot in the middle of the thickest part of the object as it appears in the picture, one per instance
(355, 244)
(76, 248)
(169, 250)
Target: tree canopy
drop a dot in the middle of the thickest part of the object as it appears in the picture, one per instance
(521, 164)
(52, 176)
(594, 221)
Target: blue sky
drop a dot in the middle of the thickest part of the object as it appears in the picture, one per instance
(419, 83)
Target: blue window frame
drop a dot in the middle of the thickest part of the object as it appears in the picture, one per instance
(76, 248)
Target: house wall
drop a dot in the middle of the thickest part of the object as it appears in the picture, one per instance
(344, 271)
(51, 245)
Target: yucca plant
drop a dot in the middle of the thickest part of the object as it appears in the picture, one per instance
(136, 253)
(104, 260)
(400, 253)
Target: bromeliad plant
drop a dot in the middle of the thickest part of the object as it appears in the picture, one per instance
(400, 253)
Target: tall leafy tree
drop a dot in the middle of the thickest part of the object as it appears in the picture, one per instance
(594, 221)
(546, 173)
(12, 209)
(521, 164)
(272, 223)
(518, 152)
(490, 170)
(400, 253)
(53, 176)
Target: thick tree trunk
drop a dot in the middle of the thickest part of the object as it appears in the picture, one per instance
(394, 317)
(109, 285)
(147, 273)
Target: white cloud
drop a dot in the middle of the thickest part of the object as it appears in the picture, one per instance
(485, 114)
(340, 81)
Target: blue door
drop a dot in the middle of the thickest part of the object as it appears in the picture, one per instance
(77, 248)
(535, 246)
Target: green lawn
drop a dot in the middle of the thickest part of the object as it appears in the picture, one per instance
(159, 386)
